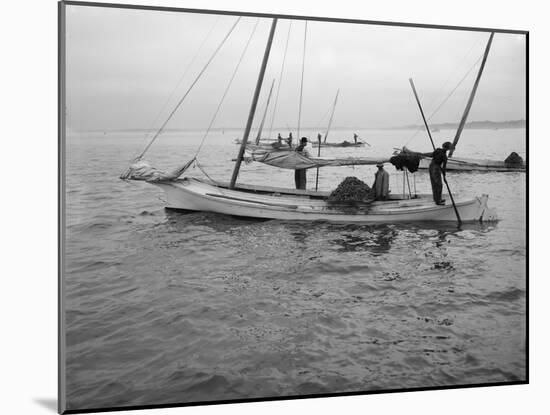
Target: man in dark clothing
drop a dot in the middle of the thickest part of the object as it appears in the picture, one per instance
(300, 177)
(289, 140)
(279, 143)
(381, 186)
(437, 168)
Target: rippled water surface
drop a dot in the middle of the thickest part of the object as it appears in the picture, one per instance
(165, 307)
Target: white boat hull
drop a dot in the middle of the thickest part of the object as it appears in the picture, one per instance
(195, 195)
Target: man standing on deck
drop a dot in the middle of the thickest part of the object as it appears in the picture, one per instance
(355, 136)
(279, 143)
(437, 168)
(300, 177)
(381, 186)
(289, 140)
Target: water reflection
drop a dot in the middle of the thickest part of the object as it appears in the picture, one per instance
(377, 240)
(343, 238)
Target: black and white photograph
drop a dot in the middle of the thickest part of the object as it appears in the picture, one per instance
(258, 207)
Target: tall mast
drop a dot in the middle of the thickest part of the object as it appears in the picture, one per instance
(472, 95)
(265, 113)
(302, 83)
(253, 106)
(331, 115)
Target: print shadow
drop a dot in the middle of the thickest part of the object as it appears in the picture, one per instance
(48, 403)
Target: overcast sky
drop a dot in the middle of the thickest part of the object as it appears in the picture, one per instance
(123, 65)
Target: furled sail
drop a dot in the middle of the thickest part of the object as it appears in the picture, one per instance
(294, 160)
(141, 170)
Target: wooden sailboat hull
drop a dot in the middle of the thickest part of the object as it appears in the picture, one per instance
(467, 164)
(252, 201)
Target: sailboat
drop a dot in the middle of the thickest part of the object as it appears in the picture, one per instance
(344, 143)
(232, 198)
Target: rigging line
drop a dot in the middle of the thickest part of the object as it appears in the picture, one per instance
(445, 100)
(322, 118)
(228, 86)
(280, 80)
(457, 68)
(205, 173)
(189, 89)
(302, 82)
(183, 76)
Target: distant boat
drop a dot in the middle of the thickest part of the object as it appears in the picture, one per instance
(344, 143)
(435, 130)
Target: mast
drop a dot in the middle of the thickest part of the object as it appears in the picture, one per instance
(331, 115)
(265, 113)
(253, 106)
(472, 95)
(302, 83)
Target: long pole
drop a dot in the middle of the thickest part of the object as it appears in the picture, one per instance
(265, 113)
(433, 145)
(472, 95)
(253, 106)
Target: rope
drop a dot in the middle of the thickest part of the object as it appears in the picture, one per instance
(280, 80)
(444, 101)
(205, 173)
(227, 88)
(183, 76)
(302, 82)
(322, 118)
(474, 45)
(189, 89)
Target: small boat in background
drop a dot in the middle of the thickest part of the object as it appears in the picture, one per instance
(344, 143)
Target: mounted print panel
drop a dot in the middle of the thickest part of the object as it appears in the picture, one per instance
(265, 207)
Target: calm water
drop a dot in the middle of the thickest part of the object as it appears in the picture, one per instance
(165, 307)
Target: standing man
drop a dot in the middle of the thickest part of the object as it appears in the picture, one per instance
(289, 140)
(355, 136)
(381, 184)
(437, 168)
(300, 177)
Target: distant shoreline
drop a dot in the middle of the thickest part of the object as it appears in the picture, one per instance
(473, 125)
